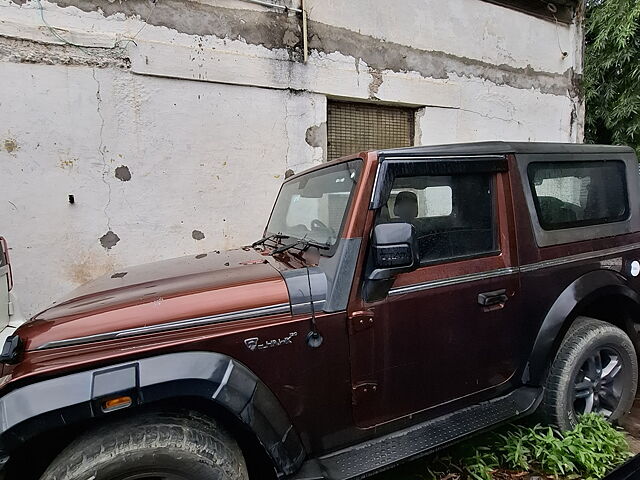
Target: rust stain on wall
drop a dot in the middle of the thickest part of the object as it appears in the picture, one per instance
(87, 268)
(11, 145)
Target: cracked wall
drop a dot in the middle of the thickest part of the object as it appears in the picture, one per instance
(157, 130)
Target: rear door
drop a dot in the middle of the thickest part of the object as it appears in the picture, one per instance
(450, 329)
(5, 280)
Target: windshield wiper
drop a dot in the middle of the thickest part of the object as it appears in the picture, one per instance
(273, 236)
(302, 244)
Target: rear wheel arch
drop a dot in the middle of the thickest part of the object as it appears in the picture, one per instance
(600, 294)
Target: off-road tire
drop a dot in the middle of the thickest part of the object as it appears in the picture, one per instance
(185, 445)
(585, 336)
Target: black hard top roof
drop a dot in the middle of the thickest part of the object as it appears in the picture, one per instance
(488, 148)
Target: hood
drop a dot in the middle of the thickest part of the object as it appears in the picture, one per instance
(152, 296)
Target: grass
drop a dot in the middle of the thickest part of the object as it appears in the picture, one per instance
(588, 452)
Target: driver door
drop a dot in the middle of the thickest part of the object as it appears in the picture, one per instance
(449, 330)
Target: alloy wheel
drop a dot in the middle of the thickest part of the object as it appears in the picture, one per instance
(599, 383)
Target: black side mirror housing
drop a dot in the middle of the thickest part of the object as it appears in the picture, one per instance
(394, 249)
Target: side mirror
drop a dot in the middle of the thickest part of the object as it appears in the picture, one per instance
(394, 249)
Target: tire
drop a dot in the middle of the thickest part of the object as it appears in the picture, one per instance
(159, 446)
(569, 390)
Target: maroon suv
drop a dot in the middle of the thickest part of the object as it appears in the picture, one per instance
(399, 300)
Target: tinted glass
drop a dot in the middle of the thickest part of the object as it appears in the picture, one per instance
(453, 215)
(314, 205)
(574, 194)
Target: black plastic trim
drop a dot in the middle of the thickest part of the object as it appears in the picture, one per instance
(394, 165)
(587, 288)
(58, 402)
(384, 452)
(627, 471)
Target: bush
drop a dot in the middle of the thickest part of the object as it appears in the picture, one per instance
(590, 451)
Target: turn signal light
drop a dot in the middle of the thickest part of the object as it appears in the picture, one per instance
(116, 404)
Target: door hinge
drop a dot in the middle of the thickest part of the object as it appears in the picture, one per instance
(363, 391)
(11, 309)
(360, 320)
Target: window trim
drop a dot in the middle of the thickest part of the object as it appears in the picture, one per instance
(547, 238)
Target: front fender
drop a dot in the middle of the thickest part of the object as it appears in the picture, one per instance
(39, 407)
(583, 291)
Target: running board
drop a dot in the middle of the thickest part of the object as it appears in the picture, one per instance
(384, 452)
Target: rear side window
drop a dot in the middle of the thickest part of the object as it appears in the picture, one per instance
(576, 194)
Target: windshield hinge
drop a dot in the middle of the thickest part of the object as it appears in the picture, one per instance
(363, 391)
(360, 320)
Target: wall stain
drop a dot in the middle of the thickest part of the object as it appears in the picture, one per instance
(123, 173)
(197, 235)
(109, 240)
(269, 29)
(87, 268)
(67, 162)
(11, 145)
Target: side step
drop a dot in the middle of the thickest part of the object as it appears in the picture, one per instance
(384, 452)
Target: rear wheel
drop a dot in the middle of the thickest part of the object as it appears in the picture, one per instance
(594, 371)
(160, 446)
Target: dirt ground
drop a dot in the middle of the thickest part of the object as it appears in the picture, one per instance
(632, 425)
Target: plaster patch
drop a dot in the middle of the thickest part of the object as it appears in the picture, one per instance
(376, 81)
(316, 135)
(29, 51)
(385, 55)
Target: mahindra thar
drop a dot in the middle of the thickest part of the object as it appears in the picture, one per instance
(399, 301)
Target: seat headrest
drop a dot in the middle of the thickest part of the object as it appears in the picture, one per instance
(406, 205)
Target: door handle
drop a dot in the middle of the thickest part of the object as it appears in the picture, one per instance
(496, 297)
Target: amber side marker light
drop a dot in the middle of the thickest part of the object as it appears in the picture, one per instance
(116, 404)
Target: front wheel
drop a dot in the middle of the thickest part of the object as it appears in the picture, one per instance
(594, 371)
(159, 446)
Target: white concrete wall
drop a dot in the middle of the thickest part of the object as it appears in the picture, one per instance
(207, 124)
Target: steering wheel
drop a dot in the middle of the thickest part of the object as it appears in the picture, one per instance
(318, 225)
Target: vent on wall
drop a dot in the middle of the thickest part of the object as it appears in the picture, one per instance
(353, 127)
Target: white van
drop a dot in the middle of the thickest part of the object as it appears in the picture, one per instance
(10, 317)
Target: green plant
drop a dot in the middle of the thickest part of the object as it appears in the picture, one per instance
(589, 451)
(612, 72)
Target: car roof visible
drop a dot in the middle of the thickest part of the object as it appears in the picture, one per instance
(487, 148)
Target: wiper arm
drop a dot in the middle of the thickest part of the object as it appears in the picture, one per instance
(302, 244)
(273, 236)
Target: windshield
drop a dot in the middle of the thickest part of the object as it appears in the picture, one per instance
(313, 206)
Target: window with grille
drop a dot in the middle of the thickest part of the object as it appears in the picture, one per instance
(354, 127)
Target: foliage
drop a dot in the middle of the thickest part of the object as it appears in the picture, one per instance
(589, 451)
(612, 72)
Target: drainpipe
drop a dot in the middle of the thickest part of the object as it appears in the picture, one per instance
(303, 11)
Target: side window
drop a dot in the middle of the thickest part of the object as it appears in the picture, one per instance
(454, 216)
(575, 194)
